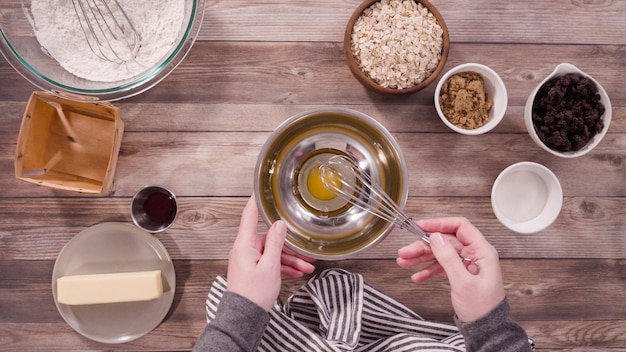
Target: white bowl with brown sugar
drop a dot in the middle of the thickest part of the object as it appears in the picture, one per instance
(471, 99)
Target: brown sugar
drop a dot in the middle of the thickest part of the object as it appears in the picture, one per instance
(464, 102)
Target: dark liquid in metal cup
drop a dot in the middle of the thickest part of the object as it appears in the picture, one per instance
(159, 207)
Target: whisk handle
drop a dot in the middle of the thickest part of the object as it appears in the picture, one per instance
(410, 225)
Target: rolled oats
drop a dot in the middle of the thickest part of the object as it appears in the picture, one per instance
(397, 43)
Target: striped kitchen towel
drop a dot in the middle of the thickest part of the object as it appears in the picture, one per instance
(338, 311)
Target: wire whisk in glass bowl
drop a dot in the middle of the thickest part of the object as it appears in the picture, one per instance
(108, 30)
(358, 189)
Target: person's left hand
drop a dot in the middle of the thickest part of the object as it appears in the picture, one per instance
(256, 262)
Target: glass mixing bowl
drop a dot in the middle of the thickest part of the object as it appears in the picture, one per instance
(24, 53)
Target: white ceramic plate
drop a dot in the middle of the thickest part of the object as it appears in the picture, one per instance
(115, 247)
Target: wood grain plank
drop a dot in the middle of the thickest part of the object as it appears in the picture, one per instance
(199, 117)
(583, 22)
(538, 290)
(317, 73)
(61, 337)
(142, 117)
(573, 336)
(206, 227)
(442, 164)
(561, 336)
(549, 298)
(475, 21)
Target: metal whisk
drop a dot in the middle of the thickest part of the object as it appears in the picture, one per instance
(343, 176)
(108, 30)
(357, 188)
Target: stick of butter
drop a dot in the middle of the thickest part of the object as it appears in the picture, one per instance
(109, 288)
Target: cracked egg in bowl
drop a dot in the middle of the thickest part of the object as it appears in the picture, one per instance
(288, 184)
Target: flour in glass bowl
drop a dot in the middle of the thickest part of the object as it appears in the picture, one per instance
(158, 23)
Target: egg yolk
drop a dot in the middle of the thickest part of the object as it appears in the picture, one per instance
(316, 187)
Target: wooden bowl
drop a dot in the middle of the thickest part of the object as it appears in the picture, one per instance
(370, 83)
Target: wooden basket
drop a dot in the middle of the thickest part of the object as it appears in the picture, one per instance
(69, 145)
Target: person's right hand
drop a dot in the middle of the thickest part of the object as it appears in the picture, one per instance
(476, 288)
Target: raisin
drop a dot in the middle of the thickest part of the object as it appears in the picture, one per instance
(567, 112)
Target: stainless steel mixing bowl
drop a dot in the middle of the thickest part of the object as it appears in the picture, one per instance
(327, 230)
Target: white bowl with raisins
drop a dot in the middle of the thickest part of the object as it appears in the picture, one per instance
(568, 113)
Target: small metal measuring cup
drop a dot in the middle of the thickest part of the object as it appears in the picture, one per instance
(154, 208)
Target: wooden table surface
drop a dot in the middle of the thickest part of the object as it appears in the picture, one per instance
(255, 64)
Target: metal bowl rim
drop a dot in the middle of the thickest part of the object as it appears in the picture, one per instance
(342, 110)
